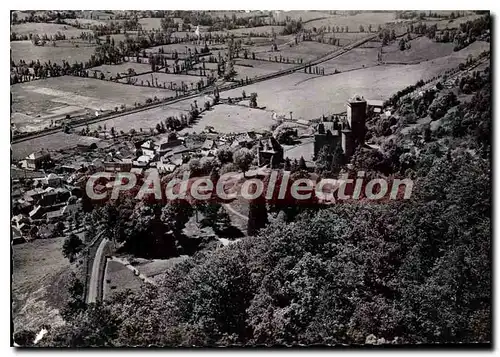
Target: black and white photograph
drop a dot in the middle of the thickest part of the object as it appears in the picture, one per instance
(251, 178)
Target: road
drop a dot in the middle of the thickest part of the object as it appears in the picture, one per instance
(93, 288)
(205, 91)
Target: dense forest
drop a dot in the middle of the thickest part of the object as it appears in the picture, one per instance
(404, 271)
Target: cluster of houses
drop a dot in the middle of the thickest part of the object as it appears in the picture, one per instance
(56, 195)
(39, 204)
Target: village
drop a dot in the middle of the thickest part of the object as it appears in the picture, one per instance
(105, 104)
(48, 186)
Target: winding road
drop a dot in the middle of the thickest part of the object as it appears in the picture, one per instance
(95, 277)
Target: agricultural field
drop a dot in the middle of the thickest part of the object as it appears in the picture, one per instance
(167, 78)
(354, 59)
(183, 48)
(346, 38)
(38, 283)
(89, 22)
(305, 15)
(48, 29)
(42, 96)
(353, 22)
(53, 142)
(149, 118)
(422, 49)
(120, 36)
(455, 23)
(25, 50)
(111, 70)
(306, 51)
(311, 97)
(149, 23)
(232, 119)
(264, 65)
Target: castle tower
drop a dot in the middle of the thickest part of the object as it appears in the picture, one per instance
(356, 117)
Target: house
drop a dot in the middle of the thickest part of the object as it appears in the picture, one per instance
(36, 159)
(142, 161)
(36, 213)
(117, 165)
(270, 152)
(20, 221)
(245, 139)
(52, 180)
(148, 148)
(167, 143)
(17, 236)
(160, 147)
(166, 168)
(209, 148)
(34, 195)
(54, 216)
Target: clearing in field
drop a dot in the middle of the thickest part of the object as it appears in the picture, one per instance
(39, 274)
(27, 51)
(232, 119)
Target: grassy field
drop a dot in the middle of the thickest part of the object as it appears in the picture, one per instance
(85, 21)
(310, 97)
(38, 283)
(46, 28)
(354, 59)
(305, 15)
(149, 23)
(305, 149)
(26, 51)
(305, 50)
(445, 23)
(232, 119)
(42, 96)
(182, 48)
(120, 36)
(146, 119)
(152, 268)
(346, 38)
(122, 68)
(166, 78)
(353, 22)
(118, 278)
(264, 65)
(53, 142)
(422, 49)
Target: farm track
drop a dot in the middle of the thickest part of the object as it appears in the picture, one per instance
(225, 87)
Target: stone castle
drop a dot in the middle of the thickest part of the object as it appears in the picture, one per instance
(348, 130)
